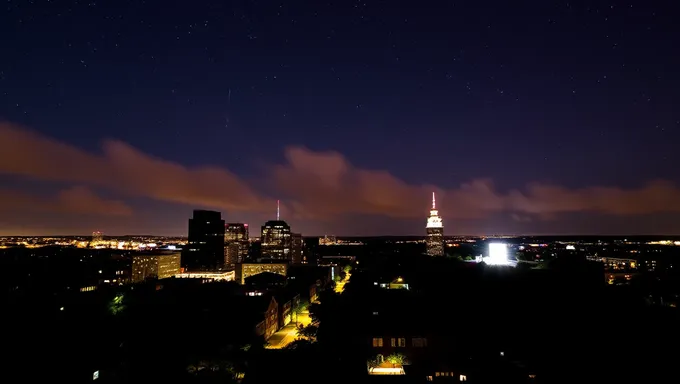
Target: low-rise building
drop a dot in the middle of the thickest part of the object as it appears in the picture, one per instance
(266, 308)
(245, 270)
(289, 303)
(155, 265)
(208, 276)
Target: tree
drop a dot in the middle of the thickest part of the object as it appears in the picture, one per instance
(299, 307)
(299, 344)
(375, 362)
(117, 306)
(217, 371)
(308, 332)
(315, 312)
(397, 359)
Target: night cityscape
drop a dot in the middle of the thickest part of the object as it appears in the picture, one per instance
(260, 191)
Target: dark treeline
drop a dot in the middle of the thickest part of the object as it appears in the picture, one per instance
(563, 322)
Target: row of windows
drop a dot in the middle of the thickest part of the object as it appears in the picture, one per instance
(400, 342)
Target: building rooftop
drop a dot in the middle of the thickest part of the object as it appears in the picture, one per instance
(266, 279)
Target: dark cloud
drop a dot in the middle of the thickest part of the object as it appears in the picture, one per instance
(75, 200)
(124, 169)
(316, 185)
(323, 185)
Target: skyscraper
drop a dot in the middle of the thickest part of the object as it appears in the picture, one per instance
(237, 233)
(296, 249)
(205, 248)
(276, 239)
(232, 254)
(435, 232)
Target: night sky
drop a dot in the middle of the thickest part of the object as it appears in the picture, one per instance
(526, 117)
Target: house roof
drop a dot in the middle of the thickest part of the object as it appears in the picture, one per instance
(285, 294)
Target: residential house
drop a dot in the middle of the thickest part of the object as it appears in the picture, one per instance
(265, 311)
(289, 301)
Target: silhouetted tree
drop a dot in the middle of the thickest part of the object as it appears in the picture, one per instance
(308, 332)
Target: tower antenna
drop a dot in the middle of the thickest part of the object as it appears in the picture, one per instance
(278, 210)
(433, 202)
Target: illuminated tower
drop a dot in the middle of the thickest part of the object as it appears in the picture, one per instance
(276, 238)
(435, 232)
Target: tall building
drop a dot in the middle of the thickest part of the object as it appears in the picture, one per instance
(276, 239)
(236, 233)
(232, 254)
(435, 232)
(205, 247)
(296, 249)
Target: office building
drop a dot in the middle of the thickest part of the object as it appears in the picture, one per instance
(237, 237)
(236, 232)
(297, 251)
(232, 254)
(276, 239)
(205, 247)
(160, 266)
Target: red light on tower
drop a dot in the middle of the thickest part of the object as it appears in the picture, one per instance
(245, 225)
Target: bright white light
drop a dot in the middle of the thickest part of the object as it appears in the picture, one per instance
(498, 251)
(434, 221)
(498, 254)
(571, 247)
(386, 371)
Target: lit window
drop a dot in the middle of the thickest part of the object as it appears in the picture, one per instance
(377, 342)
(429, 378)
(402, 342)
(463, 378)
(419, 342)
(393, 342)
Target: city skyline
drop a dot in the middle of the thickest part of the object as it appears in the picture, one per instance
(125, 118)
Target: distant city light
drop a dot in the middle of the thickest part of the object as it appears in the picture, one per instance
(571, 247)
